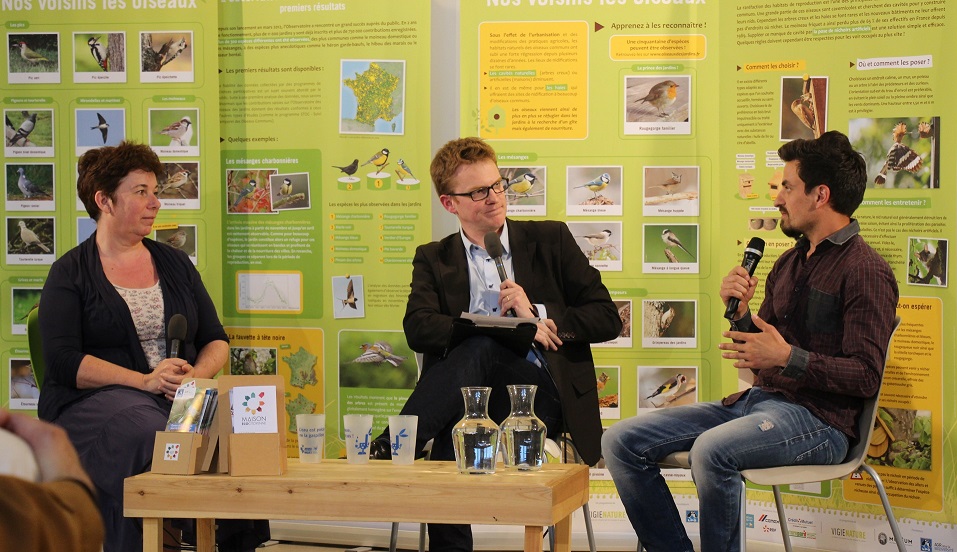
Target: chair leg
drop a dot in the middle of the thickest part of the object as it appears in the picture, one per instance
(743, 513)
(887, 506)
(394, 536)
(589, 531)
(782, 518)
(551, 538)
(422, 527)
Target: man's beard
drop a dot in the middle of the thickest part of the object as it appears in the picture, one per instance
(790, 231)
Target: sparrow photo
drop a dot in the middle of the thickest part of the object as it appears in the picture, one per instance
(290, 191)
(667, 386)
(601, 242)
(247, 191)
(669, 324)
(166, 56)
(99, 57)
(33, 58)
(99, 127)
(803, 107)
(182, 237)
(30, 240)
(671, 191)
(28, 133)
(175, 131)
(29, 186)
(23, 301)
(179, 187)
(594, 190)
(252, 361)
(900, 152)
(657, 104)
(372, 97)
(378, 359)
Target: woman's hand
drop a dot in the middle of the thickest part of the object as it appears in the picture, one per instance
(167, 377)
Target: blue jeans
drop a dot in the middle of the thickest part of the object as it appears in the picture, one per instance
(762, 429)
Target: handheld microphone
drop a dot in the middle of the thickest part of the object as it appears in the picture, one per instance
(752, 254)
(176, 332)
(493, 245)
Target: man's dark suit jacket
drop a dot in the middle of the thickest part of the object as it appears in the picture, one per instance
(554, 272)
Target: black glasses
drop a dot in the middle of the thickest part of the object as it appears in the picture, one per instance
(482, 193)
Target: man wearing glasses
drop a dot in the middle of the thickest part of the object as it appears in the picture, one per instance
(548, 277)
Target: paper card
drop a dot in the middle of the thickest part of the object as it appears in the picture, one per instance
(254, 409)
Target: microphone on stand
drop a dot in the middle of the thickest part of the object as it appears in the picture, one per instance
(493, 245)
(752, 254)
(176, 332)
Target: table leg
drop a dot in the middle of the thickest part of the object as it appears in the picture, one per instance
(205, 535)
(533, 538)
(563, 535)
(152, 534)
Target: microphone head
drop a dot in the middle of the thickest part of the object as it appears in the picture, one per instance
(756, 246)
(177, 327)
(493, 245)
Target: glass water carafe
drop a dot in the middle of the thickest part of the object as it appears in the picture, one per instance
(523, 433)
(476, 436)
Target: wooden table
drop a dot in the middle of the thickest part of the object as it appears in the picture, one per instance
(431, 492)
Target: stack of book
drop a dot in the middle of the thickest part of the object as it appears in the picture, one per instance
(193, 408)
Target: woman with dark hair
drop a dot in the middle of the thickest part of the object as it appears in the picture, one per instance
(106, 305)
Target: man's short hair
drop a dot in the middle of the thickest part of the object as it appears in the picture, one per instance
(454, 154)
(832, 161)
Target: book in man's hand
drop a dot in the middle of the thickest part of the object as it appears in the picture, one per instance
(514, 333)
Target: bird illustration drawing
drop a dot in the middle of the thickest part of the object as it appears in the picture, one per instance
(29, 55)
(899, 157)
(597, 184)
(669, 388)
(180, 132)
(349, 169)
(102, 126)
(379, 160)
(98, 51)
(27, 187)
(521, 185)
(286, 187)
(405, 173)
(29, 237)
(661, 95)
(379, 352)
(597, 239)
(26, 127)
(671, 240)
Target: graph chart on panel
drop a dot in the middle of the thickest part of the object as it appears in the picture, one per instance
(274, 292)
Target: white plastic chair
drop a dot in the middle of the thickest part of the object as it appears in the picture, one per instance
(794, 475)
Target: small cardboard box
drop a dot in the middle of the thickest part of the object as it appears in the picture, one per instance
(251, 453)
(179, 453)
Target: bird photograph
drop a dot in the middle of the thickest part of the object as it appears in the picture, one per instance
(671, 241)
(23, 128)
(29, 182)
(654, 99)
(182, 237)
(598, 243)
(252, 361)
(169, 52)
(30, 236)
(900, 152)
(100, 127)
(180, 132)
(96, 53)
(378, 359)
(290, 191)
(665, 387)
(248, 190)
(671, 190)
(181, 182)
(667, 391)
(594, 186)
(804, 105)
(379, 160)
(674, 243)
(34, 53)
(525, 185)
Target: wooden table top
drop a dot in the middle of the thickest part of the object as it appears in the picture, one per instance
(378, 491)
